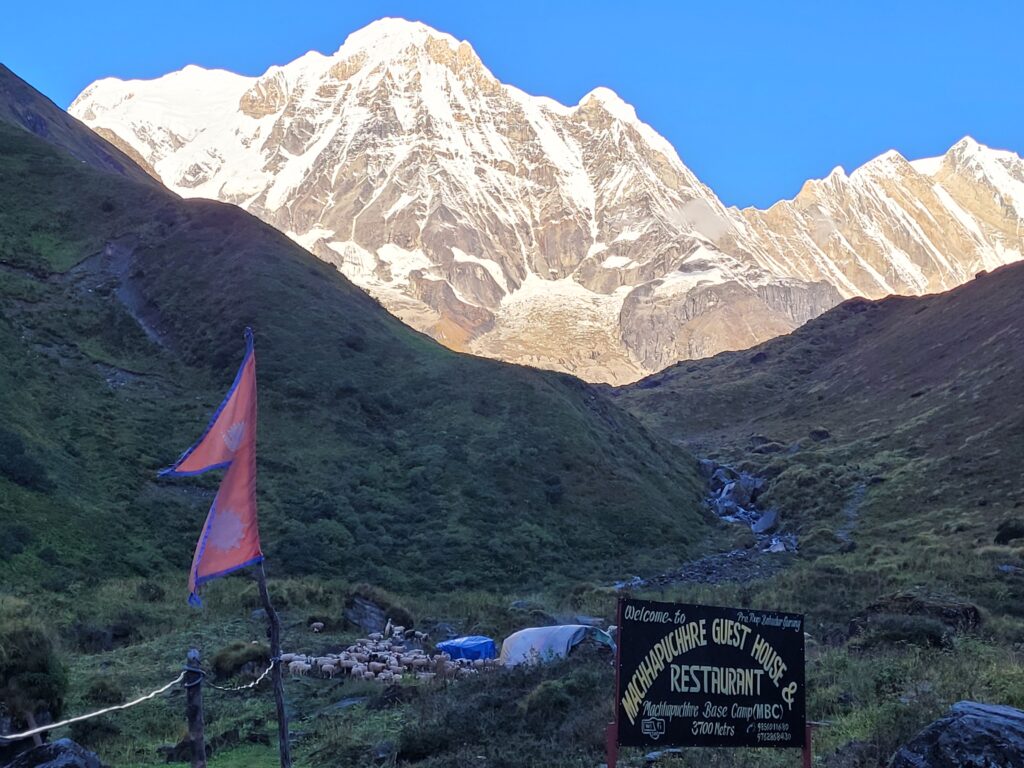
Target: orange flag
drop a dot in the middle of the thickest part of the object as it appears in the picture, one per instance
(230, 539)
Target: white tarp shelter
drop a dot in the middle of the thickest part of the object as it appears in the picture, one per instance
(537, 644)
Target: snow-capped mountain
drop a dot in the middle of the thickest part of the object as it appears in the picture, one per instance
(567, 237)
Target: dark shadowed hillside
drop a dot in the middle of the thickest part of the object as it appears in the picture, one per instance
(24, 106)
(383, 456)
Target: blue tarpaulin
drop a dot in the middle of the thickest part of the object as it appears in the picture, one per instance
(472, 647)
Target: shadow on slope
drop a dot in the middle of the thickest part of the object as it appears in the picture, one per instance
(383, 456)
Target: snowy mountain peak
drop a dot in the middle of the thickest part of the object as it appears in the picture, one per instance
(513, 226)
(391, 34)
(889, 164)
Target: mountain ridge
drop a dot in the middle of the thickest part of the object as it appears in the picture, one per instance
(512, 226)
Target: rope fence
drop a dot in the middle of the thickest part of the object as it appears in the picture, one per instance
(80, 718)
(236, 688)
(202, 677)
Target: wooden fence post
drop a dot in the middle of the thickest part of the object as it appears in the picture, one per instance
(194, 708)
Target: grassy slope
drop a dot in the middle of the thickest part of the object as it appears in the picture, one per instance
(383, 456)
(924, 401)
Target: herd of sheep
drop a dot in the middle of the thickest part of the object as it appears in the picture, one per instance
(388, 657)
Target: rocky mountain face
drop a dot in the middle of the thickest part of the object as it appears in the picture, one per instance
(512, 226)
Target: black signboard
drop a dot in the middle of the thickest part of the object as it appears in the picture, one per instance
(700, 676)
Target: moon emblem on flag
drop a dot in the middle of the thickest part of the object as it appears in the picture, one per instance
(233, 435)
(226, 531)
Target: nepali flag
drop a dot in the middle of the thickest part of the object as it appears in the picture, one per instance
(231, 537)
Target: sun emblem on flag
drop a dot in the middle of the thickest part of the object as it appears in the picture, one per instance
(233, 435)
(226, 531)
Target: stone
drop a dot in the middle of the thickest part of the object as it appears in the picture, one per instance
(721, 477)
(750, 488)
(63, 753)
(365, 614)
(819, 434)
(439, 630)
(972, 735)
(706, 468)
(766, 523)
(1008, 530)
(958, 615)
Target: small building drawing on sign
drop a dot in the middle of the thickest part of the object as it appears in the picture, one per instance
(653, 727)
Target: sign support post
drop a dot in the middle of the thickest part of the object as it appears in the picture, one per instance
(194, 708)
(808, 752)
(611, 733)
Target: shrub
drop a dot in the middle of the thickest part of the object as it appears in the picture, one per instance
(890, 629)
(17, 465)
(104, 692)
(14, 537)
(233, 659)
(150, 592)
(32, 678)
(548, 700)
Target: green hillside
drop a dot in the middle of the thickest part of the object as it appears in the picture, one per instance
(892, 434)
(383, 456)
(438, 483)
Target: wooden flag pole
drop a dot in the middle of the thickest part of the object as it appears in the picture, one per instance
(276, 675)
(194, 708)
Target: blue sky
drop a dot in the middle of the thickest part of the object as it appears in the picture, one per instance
(755, 96)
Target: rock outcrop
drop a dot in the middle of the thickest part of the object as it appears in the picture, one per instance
(972, 735)
(63, 753)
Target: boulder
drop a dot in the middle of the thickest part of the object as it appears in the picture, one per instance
(819, 434)
(365, 614)
(958, 615)
(972, 735)
(721, 477)
(706, 468)
(63, 753)
(1009, 530)
(766, 523)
